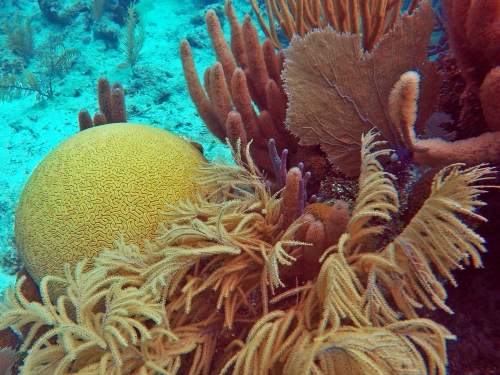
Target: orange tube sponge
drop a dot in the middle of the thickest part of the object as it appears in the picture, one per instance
(436, 152)
(474, 30)
(403, 105)
(472, 151)
(483, 28)
(489, 95)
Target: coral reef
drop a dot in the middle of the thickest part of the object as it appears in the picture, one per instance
(245, 77)
(208, 294)
(20, 36)
(474, 30)
(438, 152)
(252, 73)
(255, 274)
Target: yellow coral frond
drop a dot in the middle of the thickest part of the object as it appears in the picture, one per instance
(279, 255)
(377, 196)
(87, 331)
(369, 351)
(272, 340)
(339, 290)
(427, 336)
(436, 238)
(374, 304)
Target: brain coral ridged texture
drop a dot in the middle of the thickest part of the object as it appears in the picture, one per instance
(96, 185)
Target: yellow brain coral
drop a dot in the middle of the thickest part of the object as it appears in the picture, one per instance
(98, 184)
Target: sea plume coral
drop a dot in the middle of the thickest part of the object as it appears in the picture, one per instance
(208, 294)
(88, 338)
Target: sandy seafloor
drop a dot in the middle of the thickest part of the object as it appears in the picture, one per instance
(29, 129)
